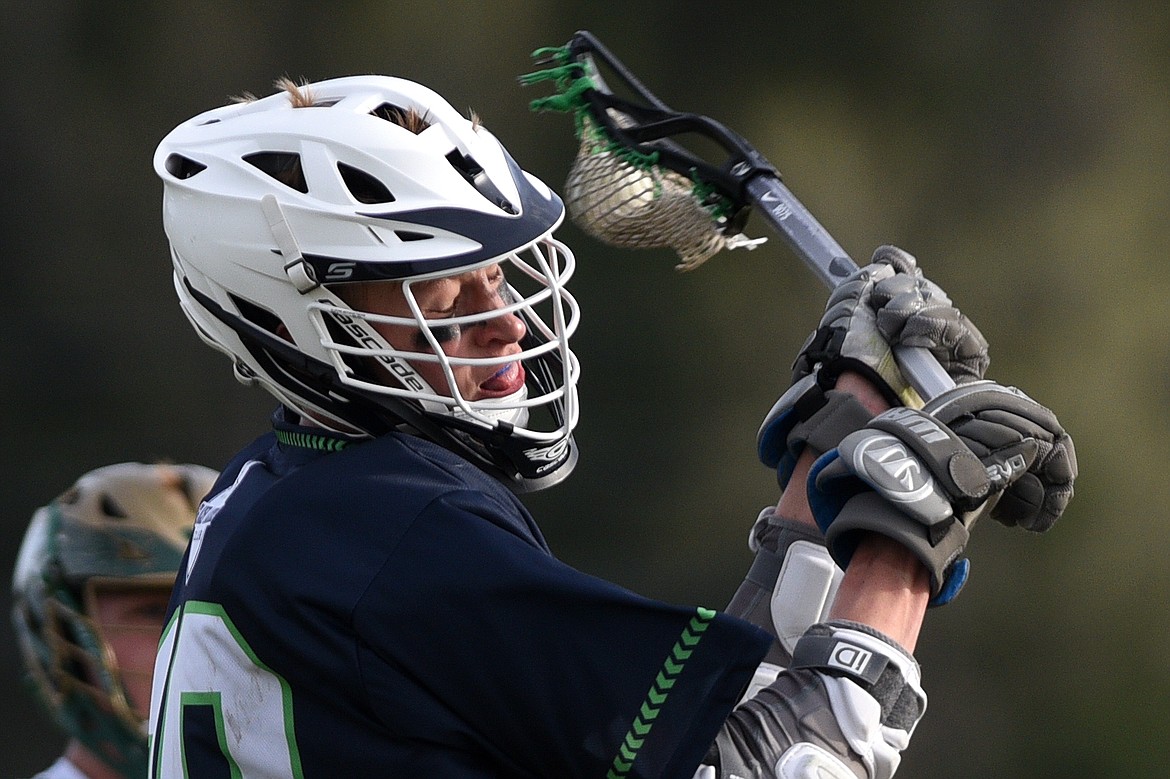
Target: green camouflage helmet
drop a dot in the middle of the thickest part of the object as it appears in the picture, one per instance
(124, 525)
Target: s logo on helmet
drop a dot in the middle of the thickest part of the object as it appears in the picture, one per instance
(339, 271)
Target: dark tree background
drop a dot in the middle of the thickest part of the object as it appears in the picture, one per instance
(1019, 150)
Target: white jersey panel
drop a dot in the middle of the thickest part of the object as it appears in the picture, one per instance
(208, 664)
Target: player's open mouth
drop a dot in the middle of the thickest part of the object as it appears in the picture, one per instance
(505, 381)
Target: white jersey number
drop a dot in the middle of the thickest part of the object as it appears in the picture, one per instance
(208, 680)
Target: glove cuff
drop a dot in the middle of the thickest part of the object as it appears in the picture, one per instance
(808, 415)
(872, 660)
(821, 356)
(831, 370)
(939, 547)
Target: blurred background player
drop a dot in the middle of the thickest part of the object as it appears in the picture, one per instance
(91, 586)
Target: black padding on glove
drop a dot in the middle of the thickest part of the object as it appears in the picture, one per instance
(1027, 453)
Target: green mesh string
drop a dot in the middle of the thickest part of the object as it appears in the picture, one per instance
(712, 200)
(572, 83)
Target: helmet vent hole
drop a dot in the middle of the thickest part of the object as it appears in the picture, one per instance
(407, 235)
(183, 167)
(476, 177)
(283, 166)
(364, 187)
(409, 119)
(111, 508)
(260, 317)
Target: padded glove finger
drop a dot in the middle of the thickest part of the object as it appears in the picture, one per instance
(886, 304)
(1026, 451)
(882, 305)
(917, 313)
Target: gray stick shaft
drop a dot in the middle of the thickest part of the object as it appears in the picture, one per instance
(813, 244)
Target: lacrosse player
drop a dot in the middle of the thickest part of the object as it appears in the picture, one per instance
(90, 589)
(364, 593)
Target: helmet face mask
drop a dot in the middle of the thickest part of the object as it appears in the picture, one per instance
(416, 352)
(266, 260)
(119, 529)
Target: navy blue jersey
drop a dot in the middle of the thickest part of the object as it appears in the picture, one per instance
(384, 608)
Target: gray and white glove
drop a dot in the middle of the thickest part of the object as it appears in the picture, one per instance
(883, 305)
(886, 304)
(910, 477)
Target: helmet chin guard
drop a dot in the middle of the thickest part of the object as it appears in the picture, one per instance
(276, 207)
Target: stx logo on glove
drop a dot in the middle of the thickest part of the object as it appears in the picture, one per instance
(886, 464)
(891, 461)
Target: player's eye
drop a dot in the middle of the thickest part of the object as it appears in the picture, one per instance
(507, 296)
(443, 333)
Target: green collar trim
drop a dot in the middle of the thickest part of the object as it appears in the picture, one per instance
(311, 441)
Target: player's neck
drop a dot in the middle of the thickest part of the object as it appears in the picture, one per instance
(88, 762)
(309, 419)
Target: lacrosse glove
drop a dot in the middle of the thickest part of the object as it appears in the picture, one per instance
(1028, 455)
(925, 480)
(885, 304)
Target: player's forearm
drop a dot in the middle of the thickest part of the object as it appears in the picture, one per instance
(885, 587)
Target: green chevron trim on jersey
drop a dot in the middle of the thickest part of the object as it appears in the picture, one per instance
(658, 693)
(310, 441)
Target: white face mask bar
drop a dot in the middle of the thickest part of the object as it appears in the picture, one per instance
(549, 267)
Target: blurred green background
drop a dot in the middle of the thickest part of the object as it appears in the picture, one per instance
(1018, 149)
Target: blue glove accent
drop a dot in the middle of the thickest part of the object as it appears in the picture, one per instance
(956, 578)
(772, 440)
(828, 498)
(824, 508)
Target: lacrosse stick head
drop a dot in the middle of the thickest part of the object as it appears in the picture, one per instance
(625, 202)
(632, 184)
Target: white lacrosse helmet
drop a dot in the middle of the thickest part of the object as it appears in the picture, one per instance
(272, 206)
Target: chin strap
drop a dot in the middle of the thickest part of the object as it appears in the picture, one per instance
(300, 273)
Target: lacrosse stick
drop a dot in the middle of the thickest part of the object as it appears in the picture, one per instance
(635, 185)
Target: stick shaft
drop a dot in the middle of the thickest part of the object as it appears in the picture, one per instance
(816, 248)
